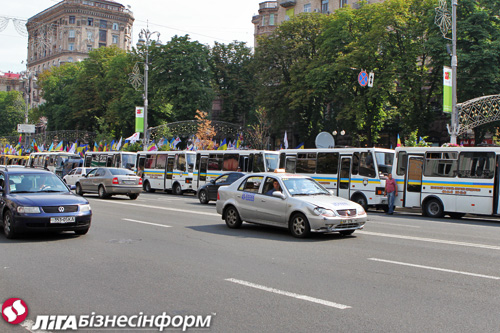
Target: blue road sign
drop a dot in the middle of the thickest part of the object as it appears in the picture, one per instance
(363, 78)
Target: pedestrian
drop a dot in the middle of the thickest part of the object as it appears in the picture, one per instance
(391, 191)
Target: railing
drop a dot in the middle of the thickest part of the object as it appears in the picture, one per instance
(287, 3)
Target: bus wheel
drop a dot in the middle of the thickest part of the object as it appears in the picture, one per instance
(177, 189)
(360, 199)
(147, 187)
(433, 208)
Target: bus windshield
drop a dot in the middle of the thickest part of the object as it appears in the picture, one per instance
(128, 161)
(272, 162)
(384, 162)
(191, 159)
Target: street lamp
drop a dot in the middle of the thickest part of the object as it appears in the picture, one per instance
(145, 41)
(342, 133)
(29, 78)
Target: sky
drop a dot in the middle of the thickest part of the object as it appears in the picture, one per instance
(206, 21)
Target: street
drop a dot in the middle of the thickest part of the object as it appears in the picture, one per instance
(165, 253)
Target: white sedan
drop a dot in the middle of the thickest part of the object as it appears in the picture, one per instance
(291, 201)
(75, 174)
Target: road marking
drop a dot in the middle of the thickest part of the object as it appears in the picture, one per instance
(289, 294)
(431, 240)
(163, 208)
(156, 224)
(394, 224)
(436, 269)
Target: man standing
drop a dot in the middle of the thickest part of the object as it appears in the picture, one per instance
(391, 190)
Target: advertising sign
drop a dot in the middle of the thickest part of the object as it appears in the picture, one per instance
(139, 119)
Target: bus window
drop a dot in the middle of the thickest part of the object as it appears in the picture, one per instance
(150, 161)
(272, 162)
(109, 161)
(306, 163)
(215, 162)
(384, 162)
(402, 163)
(128, 161)
(328, 163)
(258, 165)
(366, 166)
(476, 165)
(230, 162)
(181, 162)
(290, 164)
(437, 166)
(161, 161)
(190, 159)
(355, 164)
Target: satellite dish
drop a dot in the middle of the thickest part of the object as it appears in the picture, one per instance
(324, 140)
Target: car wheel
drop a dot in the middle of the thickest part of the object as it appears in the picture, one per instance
(433, 208)
(147, 187)
(203, 197)
(82, 232)
(299, 226)
(360, 199)
(232, 218)
(102, 192)
(78, 189)
(8, 227)
(177, 189)
(346, 232)
(133, 196)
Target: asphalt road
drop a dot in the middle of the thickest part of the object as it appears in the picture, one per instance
(165, 253)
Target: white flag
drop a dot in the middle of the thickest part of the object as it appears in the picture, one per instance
(133, 138)
(119, 144)
(285, 141)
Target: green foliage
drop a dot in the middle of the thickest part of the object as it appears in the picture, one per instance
(136, 146)
(12, 108)
(411, 141)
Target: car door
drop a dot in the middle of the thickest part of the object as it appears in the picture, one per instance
(270, 209)
(212, 188)
(245, 198)
(98, 179)
(86, 182)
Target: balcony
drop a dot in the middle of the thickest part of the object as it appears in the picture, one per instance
(288, 3)
(268, 4)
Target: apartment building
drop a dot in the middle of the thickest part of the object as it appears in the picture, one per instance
(273, 13)
(10, 81)
(67, 31)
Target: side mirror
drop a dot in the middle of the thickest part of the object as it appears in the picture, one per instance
(279, 194)
(212, 181)
(331, 192)
(72, 187)
(1, 189)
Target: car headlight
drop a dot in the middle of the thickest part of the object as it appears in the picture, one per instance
(28, 210)
(361, 211)
(85, 208)
(324, 212)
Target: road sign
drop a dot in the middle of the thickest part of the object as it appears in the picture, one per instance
(371, 77)
(25, 128)
(363, 78)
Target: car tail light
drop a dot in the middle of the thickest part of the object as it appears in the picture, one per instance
(218, 195)
(140, 181)
(115, 180)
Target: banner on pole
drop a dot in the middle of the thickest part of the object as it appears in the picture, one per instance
(447, 90)
(139, 119)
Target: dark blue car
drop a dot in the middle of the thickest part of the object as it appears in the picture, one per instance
(36, 200)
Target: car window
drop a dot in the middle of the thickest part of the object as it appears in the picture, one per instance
(251, 184)
(221, 179)
(304, 186)
(121, 172)
(269, 186)
(2, 180)
(71, 172)
(100, 173)
(92, 173)
(233, 177)
(33, 183)
(78, 171)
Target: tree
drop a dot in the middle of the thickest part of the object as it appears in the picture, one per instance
(233, 80)
(12, 108)
(205, 132)
(259, 131)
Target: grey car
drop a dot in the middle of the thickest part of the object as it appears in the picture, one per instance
(110, 181)
(291, 201)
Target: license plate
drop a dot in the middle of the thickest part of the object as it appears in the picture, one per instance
(62, 219)
(345, 221)
(129, 182)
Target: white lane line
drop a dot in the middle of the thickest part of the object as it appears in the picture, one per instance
(155, 224)
(394, 224)
(436, 269)
(431, 240)
(289, 294)
(163, 208)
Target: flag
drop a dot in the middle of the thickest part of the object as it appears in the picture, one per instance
(285, 141)
(72, 150)
(51, 146)
(135, 137)
(59, 146)
(300, 146)
(119, 144)
(95, 146)
(112, 145)
(152, 147)
(20, 138)
(223, 145)
(42, 147)
(398, 144)
(35, 146)
(176, 141)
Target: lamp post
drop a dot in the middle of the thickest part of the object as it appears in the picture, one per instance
(29, 78)
(145, 41)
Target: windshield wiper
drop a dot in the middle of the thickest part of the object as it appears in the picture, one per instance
(15, 192)
(51, 191)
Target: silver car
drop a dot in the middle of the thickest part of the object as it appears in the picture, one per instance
(291, 201)
(74, 175)
(110, 181)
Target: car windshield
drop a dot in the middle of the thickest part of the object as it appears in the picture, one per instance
(304, 186)
(34, 183)
(121, 172)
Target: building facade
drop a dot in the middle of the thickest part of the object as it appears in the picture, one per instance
(273, 13)
(67, 31)
(10, 82)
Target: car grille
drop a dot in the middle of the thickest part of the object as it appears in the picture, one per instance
(347, 226)
(55, 209)
(347, 212)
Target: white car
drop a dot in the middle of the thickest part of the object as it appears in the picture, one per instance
(296, 202)
(75, 174)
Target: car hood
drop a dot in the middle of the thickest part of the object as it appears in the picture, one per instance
(48, 199)
(328, 201)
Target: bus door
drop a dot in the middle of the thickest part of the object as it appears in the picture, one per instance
(413, 182)
(290, 163)
(202, 171)
(496, 193)
(169, 171)
(344, 179)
